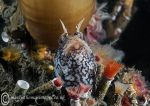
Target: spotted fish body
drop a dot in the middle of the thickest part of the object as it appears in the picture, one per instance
(76, 66)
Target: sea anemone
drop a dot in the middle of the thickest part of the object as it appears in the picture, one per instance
(10, 54)
(120, 88)
(40, 52)
(137, 80)
(106, 52)
(139, 84)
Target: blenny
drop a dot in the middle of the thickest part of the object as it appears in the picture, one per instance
(75, 62)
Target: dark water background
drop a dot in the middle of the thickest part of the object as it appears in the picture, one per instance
(135, 41)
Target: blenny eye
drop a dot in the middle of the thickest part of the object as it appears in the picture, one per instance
(79, 34)
(63, 38)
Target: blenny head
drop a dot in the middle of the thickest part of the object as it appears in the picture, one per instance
(75, 42)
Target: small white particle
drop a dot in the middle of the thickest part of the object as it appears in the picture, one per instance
(5, 37)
